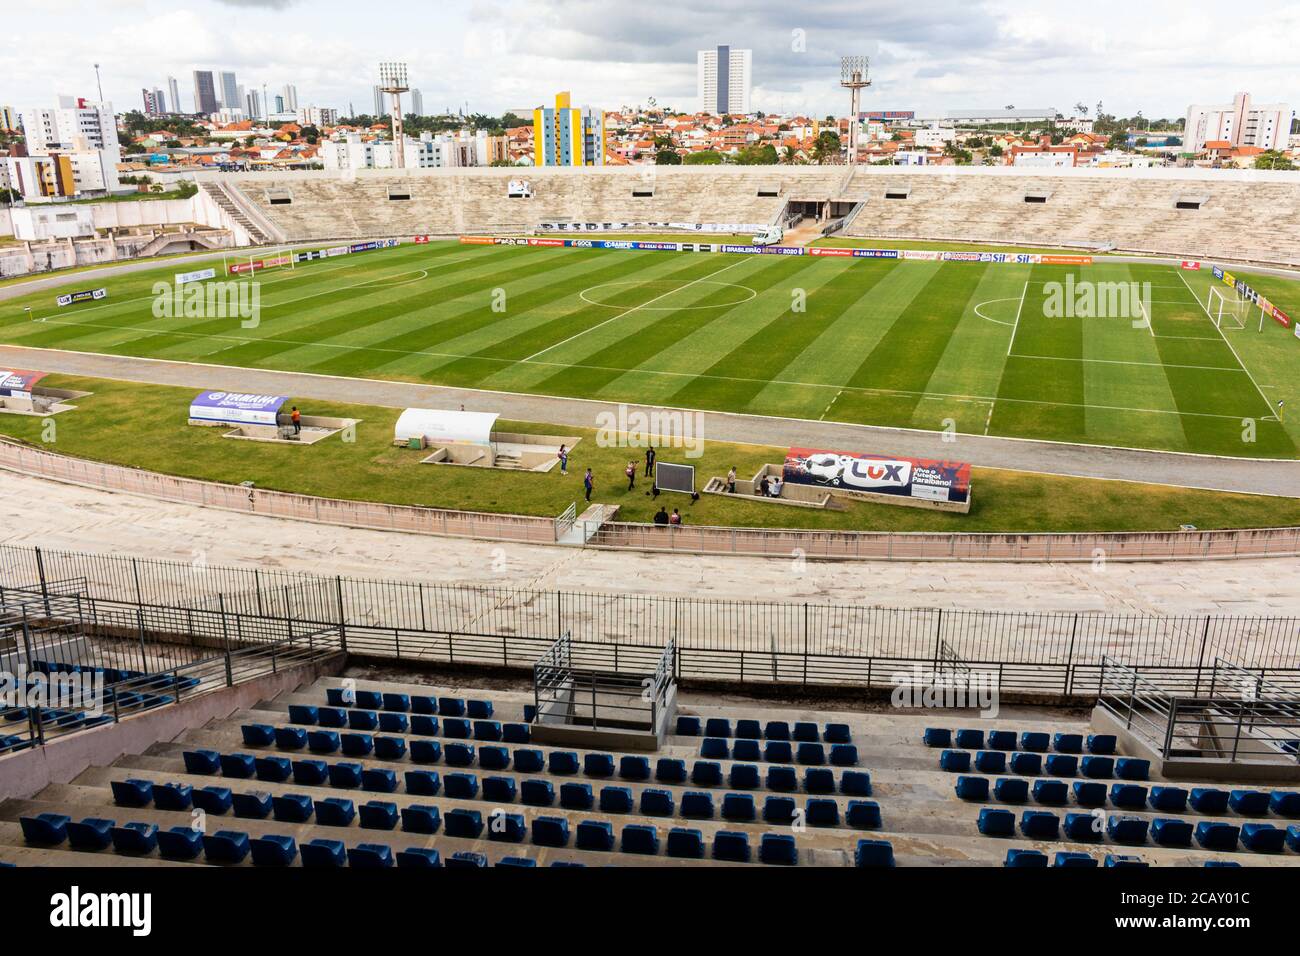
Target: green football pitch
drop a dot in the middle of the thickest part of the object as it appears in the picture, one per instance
(971, 348)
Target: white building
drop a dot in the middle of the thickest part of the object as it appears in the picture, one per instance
(417, 102)
(935, 136)
(72, 149)
(318, 116)
(290, 95)
(351, 152)
(1080, 124)
(1239, 123)
(173, 94)
(228, 90)
(723, 80)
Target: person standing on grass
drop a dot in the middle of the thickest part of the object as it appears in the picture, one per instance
(588, 483)
(649, 460)
(630, 471)
(731, 481)
(295, 416)
(563, 455)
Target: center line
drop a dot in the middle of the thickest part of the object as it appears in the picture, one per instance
(1016, 326)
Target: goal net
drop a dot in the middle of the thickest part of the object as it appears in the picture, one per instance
(1227, 311)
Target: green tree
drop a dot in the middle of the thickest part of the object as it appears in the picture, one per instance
(827, 147)
(760, 154)
(667, 157)
(706, 157)
(1273, 159)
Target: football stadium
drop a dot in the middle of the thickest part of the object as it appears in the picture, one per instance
(776, 517)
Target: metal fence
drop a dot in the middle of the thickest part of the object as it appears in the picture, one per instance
(1057, 652)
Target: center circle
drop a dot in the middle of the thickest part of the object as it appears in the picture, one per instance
(655, 295)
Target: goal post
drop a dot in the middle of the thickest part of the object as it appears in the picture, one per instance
(1225, 310)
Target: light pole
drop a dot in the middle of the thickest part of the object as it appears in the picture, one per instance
(853, 77)
(103, 174)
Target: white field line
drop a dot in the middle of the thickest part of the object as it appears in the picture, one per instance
(1016, 327)
(1267, 403)
(634, 308)
(1070, 358)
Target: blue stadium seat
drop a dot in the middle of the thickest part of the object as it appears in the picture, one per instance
(782, 779)
(292, 807)
(688, 726)
(1011, 790)
(335, 717)
(379, 781)
(717, 727)
(1293, 838)
(1285, 803)
(339, 696)
(421, 704)
(991, 761)
(656, 803)
(810, 754)
(1128, 796)
(1170, 831)
(863, 815)
(537, 793)
(1035, 741)
(595, 835)
(460, 755)
(528, 761)
(214, 800)
(424, 725)
(226, 846)
(1121, 860)
(970, 739)
(1131, 768)
(837, 734)
(451, 706)
(821, 812)
(670, 770)
(205, 762)
(323, 853)
(751, 750)
(335, 812)
(685, 843)
(1026, 764)
(273, 849)
(778, 751)
(251, 806)
(1017, 857)
(731, 846)
(135, 839)
(551, 831)
(1168, 799)
(749, 730)
(616, 800)
(377, 815)
(499, 789)
(1040, 825)
(357, 745)
(363, 720)
(396, 702)
(466, 859)
(1089, 794)
(1101, 744)
(634, 768)
(576, 796)
(996, 822)
(173, 796)
(1262, 837)
(370, 856)
(743, 776)
(462, 822)
(738, 807)
(1067, 743)
(369, 699)
(855, 783)
(345, 775)
(1068, 858)
(706, 773)
(776, 730)
(239, 766)
(516, 733)
(641, 838)
(819, 780)
(1209, 801)
(1061, 765)
(1051, 793)
(132, 792)
(425, 751)
(321, 742)
(973, 788)
(391, 723)
(423, 783)
(778, 810)
(1127, 829)
(1249, 803)
(805, 731)
(488, 730)
(1097, 768)
(478, 709)
(844, 755)
(460, 786)
(937, 737)
(390, 748)
(507, 827)
(715, 748)
(778, 849)
(1002, 740)
(696, 805)
(45, 829)
(491, 757)
(1217, 836)
(273, 769)
(562, 763)
(955, 761)
(306, 714)
(457, 728)
(1083, 827)
(421, 818)
(873, 853)
(180, 843)
(598, 765)
(257, 735)
(418, 856)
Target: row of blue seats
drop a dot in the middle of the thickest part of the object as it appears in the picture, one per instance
(1068, 858)
(779, 751)
(57, 719)
(805, 731)
(414, 703)
(704, 773)
(1128, 796)
(1026, 764)
(394, 722)
(1133, 831)
(338, 811)
(12, 742)
(1030, 740)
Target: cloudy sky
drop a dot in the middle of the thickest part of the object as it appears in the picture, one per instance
(493, 55)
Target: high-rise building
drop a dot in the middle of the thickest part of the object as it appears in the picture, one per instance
(151, 107)
(1239, 123)
(291, 97)
(380, 108)
(205, 93)
(567, 135)
(318, 116)
(73, 149)
(8, 118)
(160, 98)
(723, 79)
(417, 103)
(279, 103)
(229, 91)
(173, 94)
(253, 104)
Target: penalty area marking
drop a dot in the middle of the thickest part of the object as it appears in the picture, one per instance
(388, 283)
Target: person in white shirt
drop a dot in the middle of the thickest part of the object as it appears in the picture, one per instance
(775, 487)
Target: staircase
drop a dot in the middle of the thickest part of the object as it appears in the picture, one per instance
(220, 194)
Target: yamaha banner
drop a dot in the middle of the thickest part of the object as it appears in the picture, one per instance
(85, 296)
(920, 478)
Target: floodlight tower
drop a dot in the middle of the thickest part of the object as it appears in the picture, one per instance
(392, 80)
(853, 76)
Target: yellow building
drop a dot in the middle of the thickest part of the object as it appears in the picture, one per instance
(568, 136)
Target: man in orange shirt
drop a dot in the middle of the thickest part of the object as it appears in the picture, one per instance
(296, 417)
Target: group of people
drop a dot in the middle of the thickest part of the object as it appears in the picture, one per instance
(768, 487)
(589, 480)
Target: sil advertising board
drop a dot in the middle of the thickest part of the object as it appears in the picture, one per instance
(921, 478)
